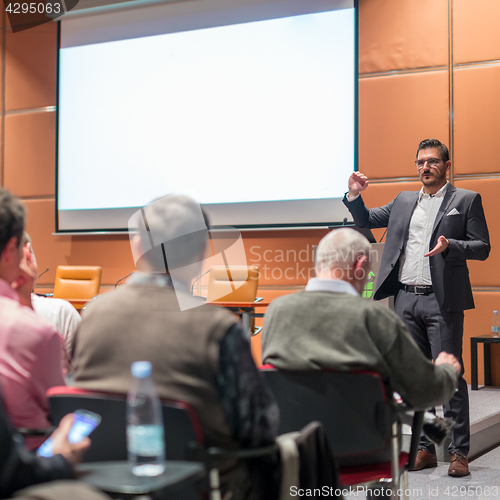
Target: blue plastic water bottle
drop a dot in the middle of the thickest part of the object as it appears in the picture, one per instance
(145, 433)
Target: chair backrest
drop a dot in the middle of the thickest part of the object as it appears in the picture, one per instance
(77, 282)
(233, 284)
(352, 407)
(109, 440)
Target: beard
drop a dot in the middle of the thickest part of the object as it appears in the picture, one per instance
(433, 179)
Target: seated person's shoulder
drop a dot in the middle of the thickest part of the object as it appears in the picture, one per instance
(53, 304)
(31, 325)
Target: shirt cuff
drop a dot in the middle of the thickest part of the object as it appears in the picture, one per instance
(349, 199)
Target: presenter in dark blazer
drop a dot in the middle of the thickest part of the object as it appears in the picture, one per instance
(430, 236)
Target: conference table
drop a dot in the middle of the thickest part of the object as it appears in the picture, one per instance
(246, 310)
(179, 480)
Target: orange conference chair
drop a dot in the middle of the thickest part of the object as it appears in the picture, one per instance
(236, 284)
(77, 284)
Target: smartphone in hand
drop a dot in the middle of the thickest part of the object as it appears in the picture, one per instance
(84, 422)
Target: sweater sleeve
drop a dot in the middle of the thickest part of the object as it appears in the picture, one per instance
(420, 382)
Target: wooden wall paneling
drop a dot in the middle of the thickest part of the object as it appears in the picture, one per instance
(487, 273)
(477, 119)
(285, 258)
(476, 36)
(478, 322)
(395, 114)
(111, 252)
(378, 195)
(31, 68)
(30, 151)
(396, 35)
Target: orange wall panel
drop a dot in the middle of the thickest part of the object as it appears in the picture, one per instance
(478, 322)
(285, 258)
(487, 273)
(30, 149)
(31, 68)
(378, 195)
(476, 119)
(395, 114)
(476, 36)
(402, 34)
(112, 253)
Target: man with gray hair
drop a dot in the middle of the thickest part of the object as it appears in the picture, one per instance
(329, 326)
(199, 354)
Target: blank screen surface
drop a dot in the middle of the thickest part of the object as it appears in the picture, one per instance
(255, 120)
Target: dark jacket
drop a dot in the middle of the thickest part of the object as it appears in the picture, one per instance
(20, 468)
(465, 229)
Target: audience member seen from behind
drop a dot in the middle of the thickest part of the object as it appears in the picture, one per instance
(199, 355)
(329, 326)
(58, 312)
(30, 350)
(20, 468)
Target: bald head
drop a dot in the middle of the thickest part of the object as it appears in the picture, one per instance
(344, 254)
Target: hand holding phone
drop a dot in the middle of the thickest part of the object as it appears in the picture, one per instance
(69, 439)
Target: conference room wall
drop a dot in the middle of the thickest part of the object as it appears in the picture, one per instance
(427, 68)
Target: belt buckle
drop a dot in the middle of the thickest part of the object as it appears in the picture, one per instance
(421, 292)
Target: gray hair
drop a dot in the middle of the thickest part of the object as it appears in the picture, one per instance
(341, 248)
(173, 232)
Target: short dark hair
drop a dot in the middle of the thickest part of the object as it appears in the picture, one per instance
(12, 215)
(434, 143)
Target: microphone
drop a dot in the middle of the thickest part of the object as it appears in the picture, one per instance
(198, 279)
(383, 235)
(121, 279)
(43, 273)
(344, 222)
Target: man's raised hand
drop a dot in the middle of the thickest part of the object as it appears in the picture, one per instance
(357, 183)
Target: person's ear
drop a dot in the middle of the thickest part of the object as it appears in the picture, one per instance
(11, 250)
(360, 267)
(448, 165)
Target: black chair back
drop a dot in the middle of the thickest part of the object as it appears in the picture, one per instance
(352, 406)
(109, 438)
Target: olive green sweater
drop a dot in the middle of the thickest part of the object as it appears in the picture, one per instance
(314, 330)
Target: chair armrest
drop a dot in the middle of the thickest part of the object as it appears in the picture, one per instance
(417, 422)
(242, 453)
(257, 330)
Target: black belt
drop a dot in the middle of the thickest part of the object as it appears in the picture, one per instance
(417, 289)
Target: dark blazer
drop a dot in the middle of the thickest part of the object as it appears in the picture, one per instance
(466, 231)
(20, 468)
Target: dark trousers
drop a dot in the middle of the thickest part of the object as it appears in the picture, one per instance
(435, 331)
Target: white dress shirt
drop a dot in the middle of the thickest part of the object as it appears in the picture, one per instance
(415, 268)
(330, 285)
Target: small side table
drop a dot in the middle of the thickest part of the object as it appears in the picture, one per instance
(487, 340)
(180, 480)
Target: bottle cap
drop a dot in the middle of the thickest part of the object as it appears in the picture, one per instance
(141, 369)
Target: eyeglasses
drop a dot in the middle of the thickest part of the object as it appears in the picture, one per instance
(432, 162)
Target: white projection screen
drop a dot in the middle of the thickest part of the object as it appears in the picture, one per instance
(250, 106)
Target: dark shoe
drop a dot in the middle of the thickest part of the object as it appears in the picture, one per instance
(425, 460)
(459, 466)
